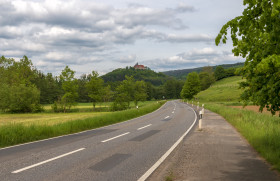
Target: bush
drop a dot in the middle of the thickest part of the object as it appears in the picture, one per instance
(20, 98)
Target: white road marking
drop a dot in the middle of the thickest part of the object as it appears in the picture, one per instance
(115, 137)
(157, 164)
(166, 117)
(173, 112)
(46, 161)
(144, 126)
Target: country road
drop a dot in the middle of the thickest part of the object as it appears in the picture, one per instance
(124, 151)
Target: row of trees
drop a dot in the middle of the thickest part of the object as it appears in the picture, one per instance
(23, 89)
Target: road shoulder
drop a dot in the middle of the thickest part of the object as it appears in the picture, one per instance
(218, 152)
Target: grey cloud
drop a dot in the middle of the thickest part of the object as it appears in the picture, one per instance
(183, 8)
(193, 58)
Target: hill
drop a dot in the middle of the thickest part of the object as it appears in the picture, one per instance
(225, 90)
(147, 75)
(181, 74)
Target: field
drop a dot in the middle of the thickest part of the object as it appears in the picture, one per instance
(81, 111)
(22, 128)
(262, 130)
(225, 90)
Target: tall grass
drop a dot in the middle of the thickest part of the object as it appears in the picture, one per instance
(13, 134)
(261, 130)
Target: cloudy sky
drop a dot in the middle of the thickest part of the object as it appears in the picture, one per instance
(104, 35)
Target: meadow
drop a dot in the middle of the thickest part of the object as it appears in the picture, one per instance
(262, 130)
(48, 117)
(22, 128)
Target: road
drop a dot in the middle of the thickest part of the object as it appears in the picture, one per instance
(124, 151)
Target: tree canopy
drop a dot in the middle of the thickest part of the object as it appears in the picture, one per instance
(191, 86)
(256, 36)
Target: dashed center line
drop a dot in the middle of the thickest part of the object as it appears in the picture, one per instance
(46, 161)
(115, 137)
(166, 117)
(173, 112)
(144, 126)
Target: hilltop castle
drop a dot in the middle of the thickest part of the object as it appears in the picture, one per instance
(139, 67)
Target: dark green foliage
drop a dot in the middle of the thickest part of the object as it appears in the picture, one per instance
(17, 91)
(255, 36)
(95, 88)
(172, 89)
(70, 87)
(50, 89)
(148, 75)
(128, 91)
(182, 74)
(206, 77)
(191, 86)
(220, 73)
(82, 91)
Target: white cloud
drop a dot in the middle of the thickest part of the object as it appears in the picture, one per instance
(194, 58)
(57, 33)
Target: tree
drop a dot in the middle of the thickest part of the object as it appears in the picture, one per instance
(70, 87)
(206, 77)
(140, 93)
(95, 88)
(125, 92)
(170, 89)
(191, 86)
(205, 80)
(255, 36)
(220, 73)
(18, 93)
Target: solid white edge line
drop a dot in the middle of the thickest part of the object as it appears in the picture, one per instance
(115, 137)
(46, 161)
(144, 126)
(81, 131)
(157, 164)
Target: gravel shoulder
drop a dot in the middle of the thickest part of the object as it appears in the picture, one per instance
(218, 152)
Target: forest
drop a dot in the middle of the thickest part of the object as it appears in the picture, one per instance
(24, 88)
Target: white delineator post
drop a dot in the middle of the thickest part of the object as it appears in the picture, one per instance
(200, 120)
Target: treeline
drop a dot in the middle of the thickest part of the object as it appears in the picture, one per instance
(182, 74)
(23, 88)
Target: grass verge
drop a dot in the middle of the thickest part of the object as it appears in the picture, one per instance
(13, 134)
(261, 130)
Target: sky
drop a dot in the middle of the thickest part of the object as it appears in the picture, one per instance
(104, 35)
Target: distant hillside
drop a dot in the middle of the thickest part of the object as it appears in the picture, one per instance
(181, 74)
(146, 75)
(225, 90)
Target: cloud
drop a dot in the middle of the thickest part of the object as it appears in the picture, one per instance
(127, 59)
(85, 33)
(194, 58)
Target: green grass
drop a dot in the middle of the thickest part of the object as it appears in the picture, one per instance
(88, 107)
(225, 90)
(261, 130)
(50, 118)
(17, 133)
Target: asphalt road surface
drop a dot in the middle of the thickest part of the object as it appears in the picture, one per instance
(124, 151)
